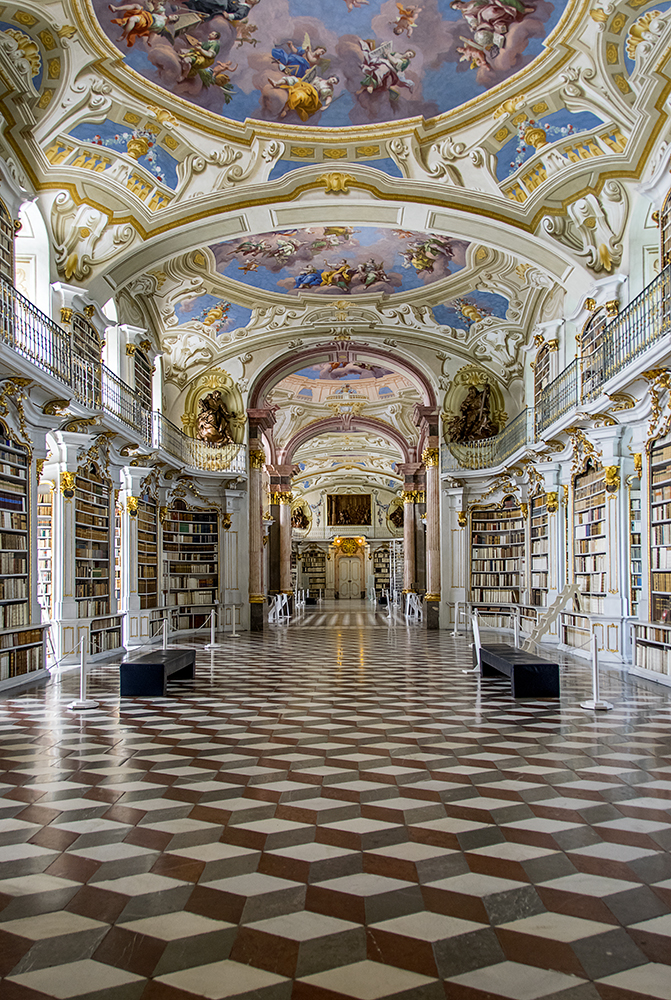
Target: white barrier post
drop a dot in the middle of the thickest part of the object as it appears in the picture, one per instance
(516, 628)
(596, 704)
(212, 644)
(234, 634)
(475, 645)
(165, 632)
(82, 703)
(456, 619)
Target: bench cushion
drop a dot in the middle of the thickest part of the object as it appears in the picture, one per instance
(531, 676)
(147, 674)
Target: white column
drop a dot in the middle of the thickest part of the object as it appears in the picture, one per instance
(408, 542)
(430, 458)
(256, 594)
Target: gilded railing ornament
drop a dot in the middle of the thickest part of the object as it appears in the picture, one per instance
(552, 501)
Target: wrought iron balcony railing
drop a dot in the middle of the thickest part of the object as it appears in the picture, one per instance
(491, 451)
(557, 398)
(37, 338)
(642, 323)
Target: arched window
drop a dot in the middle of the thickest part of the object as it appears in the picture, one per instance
(665, 231)
(143, 375)
(542, 372)
(6, 244)
(591, 353)
(86, 350)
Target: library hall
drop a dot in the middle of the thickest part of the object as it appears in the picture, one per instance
(335, 500)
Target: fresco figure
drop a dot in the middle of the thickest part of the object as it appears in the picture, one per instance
(406, 20)
(298, 60)
(214, 420)
(384, 69)
(232, 10)
(489, 20)
(309, 277)
(340, 276)
(370, 272)
(352, 4)
(305, 96)
(138, 22)
(469, 51)
(200, 56)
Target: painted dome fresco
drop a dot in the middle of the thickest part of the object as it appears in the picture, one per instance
(332, 63)
(340, 260)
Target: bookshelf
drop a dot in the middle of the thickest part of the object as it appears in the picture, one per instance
(635, 550)
(44, 553)
(191, 553)
(147, 553)
(497, 553)
(590, 543)
(94, 559)
(660, 533)
(314, 570)
(382, 568)
(539, 552)
(21, 643)
(652, 650)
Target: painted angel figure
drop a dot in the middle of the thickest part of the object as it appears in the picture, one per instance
(352, 4)
(306, 96)
(384, 69)
(200, 56)
(297, 60)
(489, 20)
(370, 272)
(406, 20)
(139, 22)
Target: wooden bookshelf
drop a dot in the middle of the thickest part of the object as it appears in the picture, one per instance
(95, 559)
(660, 533)
(147, 553)
(652, 650)
(539, 552)
(44, 553)
(497, 553)
(635, 551)
(21, 643)
(191, 573)
(314, 570)
(590, 543)
(382, 568)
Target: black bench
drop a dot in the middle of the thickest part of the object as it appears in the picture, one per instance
(147, 675)
(530, 676)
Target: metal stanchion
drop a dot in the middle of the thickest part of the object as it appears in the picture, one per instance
(456, 619)
(165, 633)
(234, 634)
(596, 704)
(82, 703)
(212, 644)
(516, 628)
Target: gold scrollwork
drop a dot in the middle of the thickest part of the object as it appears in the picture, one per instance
(66, 316)
(431, 457)
(552, 501)
(130, 350)
(524, 509)
(462, 518)
(55, 407)
(132, 504)
(638, 462)
(67, 484)
(226, 521)
(612, 474)
(336, 183)
(257, 458)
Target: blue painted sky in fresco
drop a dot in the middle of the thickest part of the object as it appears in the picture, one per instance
(201, 309)
(435, 78)
(448, 314)
(257, 260)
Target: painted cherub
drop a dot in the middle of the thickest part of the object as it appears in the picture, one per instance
(406, 20)
(351, 4)
(471, 52)
(138, 22)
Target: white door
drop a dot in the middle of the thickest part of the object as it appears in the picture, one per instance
(349, 577)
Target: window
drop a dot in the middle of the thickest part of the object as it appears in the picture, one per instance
(591, 353)
(6, 244)
(143, 375)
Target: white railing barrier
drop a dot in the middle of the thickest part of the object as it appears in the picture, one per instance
(457, 612)
(279, 609)
(83, 703)
(413, 607)
(476, 644)
(595, 703)
(213, 644)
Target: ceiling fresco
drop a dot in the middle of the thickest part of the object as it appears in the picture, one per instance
(328, 62)
(340, 260)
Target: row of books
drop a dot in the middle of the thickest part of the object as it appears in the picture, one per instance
(661, 534)
(12, 519)
(20, 661)
(589, 530)
(494, 565)
(181, 598)
(12, 615)
(92, 608)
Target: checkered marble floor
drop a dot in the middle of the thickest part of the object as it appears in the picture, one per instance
(336, 814)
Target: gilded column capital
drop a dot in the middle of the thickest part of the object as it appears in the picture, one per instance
(430, 457)
(257, 458)
(284, 498)
(67, 485)
(130, 350)
(66, 315)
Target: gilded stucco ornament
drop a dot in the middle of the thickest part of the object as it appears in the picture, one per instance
(593, 227)
(552, 501)
(336, 183)
(257, 458)
(612, 474)
(462, 518)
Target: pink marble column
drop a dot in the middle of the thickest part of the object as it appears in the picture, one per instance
(256, 595)
(285, 542)
(408, 541)
(432, 598)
